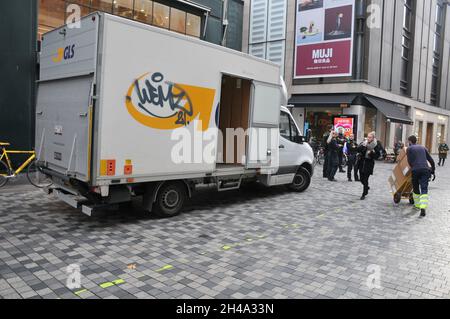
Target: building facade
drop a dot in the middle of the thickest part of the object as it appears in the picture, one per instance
(365, 65)
(25, 21)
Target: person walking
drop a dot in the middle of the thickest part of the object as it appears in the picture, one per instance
(333, 153)
(443, 150)
(325, 150)
(368, 150)
(419, 159)
(351, 150)
(341, 143)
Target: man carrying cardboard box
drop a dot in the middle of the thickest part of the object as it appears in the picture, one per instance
(420, 160)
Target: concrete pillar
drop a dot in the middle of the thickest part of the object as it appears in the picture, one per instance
(360, 112)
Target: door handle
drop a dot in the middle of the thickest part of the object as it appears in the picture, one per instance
(83, 114)
(39, 112)
(281, 146)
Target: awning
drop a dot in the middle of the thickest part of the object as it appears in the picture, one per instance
(326, 100)
(390, 109)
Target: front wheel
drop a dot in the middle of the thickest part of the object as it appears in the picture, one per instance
(4, 173)
(170, 199)
(301, 181)
(37, 177)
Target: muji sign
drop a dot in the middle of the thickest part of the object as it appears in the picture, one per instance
(324, 59)
(324, 38)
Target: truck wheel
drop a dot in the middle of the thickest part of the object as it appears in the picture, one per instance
(301, 182)
(170, 199)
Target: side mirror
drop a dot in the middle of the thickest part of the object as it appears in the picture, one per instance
(299, 139)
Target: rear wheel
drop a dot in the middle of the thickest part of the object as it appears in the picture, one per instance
(4, 173)
(37, 177)
(301, 181)
(170, 199)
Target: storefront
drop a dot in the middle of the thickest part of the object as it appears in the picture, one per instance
(358, 114)
(430, 129)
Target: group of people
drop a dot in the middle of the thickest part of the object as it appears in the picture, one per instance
(360, 157)
(361, 161)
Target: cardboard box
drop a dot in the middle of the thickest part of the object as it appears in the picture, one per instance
(401, 172)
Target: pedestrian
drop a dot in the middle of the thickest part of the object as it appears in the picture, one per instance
(341, 143)
(420, 160)
(333, 156)
(351, 150)
(443, 150)
(369, 150)
(326, 135)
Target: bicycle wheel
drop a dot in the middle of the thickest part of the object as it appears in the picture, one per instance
(36, 177)
(4, 173)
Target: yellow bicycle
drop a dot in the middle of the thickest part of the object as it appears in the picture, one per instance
(35, 174)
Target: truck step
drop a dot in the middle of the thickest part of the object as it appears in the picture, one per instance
(228, 184)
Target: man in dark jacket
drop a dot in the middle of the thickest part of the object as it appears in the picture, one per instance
(325, 150)
(420, 160)
(351, 150)
(368, 151)
(333, 153)
(443, 150)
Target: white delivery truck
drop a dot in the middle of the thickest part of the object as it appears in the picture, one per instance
(126, 109)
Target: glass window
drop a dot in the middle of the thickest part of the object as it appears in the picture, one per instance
(418, 132)
(161, 15)
(193, 25)
(294, 131)
(370, 124)
(51, 13)
(285, 128)
(178, 20)
(102, 5)
(143, 10)
(123, 8)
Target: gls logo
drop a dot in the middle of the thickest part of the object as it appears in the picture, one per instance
(66, 53)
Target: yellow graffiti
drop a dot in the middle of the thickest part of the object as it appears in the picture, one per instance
(202, 103)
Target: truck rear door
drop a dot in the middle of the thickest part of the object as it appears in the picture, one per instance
(263, 143)
(64, 109)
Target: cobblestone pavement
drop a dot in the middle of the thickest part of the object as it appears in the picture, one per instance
(255, 243)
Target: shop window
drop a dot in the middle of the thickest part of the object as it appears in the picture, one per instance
(177, 20)
(370, 123)
(440, 134)
(193, 25)
(51, 15)
(418, 131)
(123, 8)
(102, 5)
(398, 136)
(161, 15)
(143, 11)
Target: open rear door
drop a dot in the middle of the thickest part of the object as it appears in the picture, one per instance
(264, 141)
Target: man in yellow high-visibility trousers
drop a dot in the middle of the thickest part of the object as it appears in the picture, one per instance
(420, 160)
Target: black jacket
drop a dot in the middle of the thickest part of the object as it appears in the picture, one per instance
(365, 164)
(352, 151)
(333, 152)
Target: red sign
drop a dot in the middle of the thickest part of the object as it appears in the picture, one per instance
(347, 123)
(324, 59)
